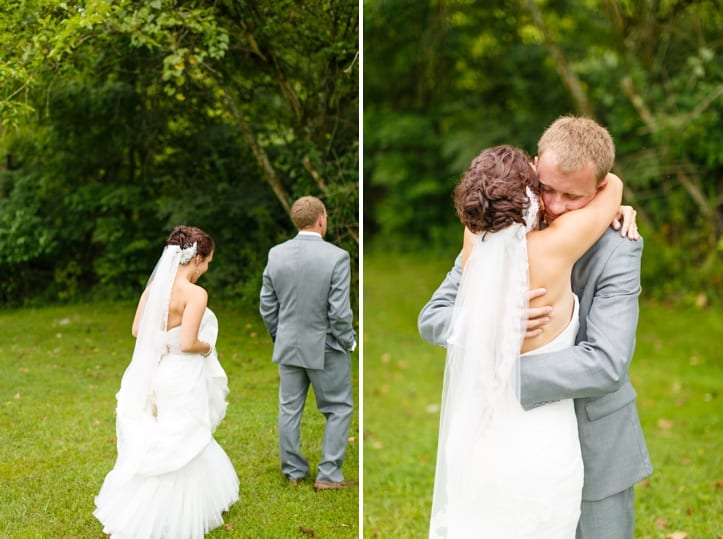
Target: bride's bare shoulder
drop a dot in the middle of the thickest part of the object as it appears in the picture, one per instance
(190, 291)
(197, 294)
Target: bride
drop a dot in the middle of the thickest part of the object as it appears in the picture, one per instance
(503, 472)
(171, 479)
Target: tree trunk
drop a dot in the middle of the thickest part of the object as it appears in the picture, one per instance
(272, 178)
(562, 64)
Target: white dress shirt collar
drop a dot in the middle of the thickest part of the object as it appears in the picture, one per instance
(309, 233)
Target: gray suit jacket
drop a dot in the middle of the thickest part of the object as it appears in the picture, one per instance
(305, 301)
(606, 279)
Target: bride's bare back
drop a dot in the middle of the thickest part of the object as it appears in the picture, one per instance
(553, 251)
(186, 307)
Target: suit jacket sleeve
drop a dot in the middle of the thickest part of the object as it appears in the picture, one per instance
(599, 363)
(269, 304)
(340, 315)
(436, 316)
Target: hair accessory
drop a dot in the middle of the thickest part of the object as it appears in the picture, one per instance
(530, 214)
(187, 254)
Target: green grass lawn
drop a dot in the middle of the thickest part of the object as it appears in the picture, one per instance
(677, 372)
(61, 368)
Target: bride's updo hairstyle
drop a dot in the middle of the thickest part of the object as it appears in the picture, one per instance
(491, 194)
(186, 236)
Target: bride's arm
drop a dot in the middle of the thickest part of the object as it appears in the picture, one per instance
(624, 221)
(466, 246)
(139, 311)
(574, 232)
(190, 322)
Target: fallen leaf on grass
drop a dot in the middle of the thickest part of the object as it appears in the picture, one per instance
(307, 531)
(677, 535)
(665, 424)
(432, 408)
(661, 523)
(719, 486)
(648, 403)
(228, 526)
(372, 439)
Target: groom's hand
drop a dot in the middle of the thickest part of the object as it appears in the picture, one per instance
(536, 316)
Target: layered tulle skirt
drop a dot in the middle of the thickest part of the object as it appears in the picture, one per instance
(181, 504)
(171, 479)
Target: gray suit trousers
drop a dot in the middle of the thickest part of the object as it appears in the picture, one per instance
(334, 399)
(610, 518)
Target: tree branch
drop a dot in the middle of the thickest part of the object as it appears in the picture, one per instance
(261, 158)
(314, 174)
(562, 65)
(691, 184)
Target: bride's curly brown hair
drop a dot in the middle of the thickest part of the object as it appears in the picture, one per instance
(185, 236)
(491, 194)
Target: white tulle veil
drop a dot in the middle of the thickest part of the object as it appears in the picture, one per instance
(135, 397)
(482, 376)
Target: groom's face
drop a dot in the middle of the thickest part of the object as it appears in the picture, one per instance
(562, 192)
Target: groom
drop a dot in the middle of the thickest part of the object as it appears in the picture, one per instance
(305, 306)
(606, 279)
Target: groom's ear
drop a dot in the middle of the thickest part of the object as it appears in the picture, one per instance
(604, 182)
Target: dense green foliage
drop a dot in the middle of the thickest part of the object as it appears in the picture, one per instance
(62, 366)
(123, 119)
(676, 372)
(445, 78)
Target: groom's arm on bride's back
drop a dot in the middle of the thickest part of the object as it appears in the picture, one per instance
(599, 363)
(435, 317)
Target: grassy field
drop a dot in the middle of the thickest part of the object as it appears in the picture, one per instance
(61, 368)
(677, 372)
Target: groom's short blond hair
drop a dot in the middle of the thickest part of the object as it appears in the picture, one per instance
(577, 141)
(305, 212)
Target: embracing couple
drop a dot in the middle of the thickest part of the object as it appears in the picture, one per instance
(539, 432)
(171, 478)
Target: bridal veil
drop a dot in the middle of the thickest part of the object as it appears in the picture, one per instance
(481, 380)
(135, 396)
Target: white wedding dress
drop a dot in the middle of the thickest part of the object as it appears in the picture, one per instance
(502, 472)
(171, 479)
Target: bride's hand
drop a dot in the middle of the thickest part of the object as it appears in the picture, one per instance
(536, 316)
(625, 222)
